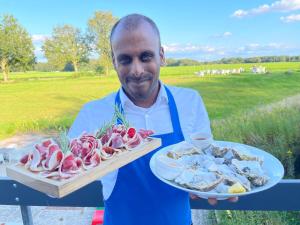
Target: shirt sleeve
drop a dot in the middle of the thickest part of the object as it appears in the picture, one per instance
(81, 123)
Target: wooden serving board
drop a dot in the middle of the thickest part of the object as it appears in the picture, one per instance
(61, 188)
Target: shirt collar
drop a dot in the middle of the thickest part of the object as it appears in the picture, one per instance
(162, 97)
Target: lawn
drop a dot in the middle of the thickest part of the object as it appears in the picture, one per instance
(41, 101)
(36, 101)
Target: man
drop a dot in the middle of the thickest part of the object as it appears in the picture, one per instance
(133, 195)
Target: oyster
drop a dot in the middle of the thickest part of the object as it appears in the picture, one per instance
(199, 180)
(230, 176)
(252, 170)
(237, 178)
(228, 157)
(219, 161)
(168, 168)
(221, 188)
(259, 181)
(241, 153)
(197, 161)
(219, 151)
(183, 148)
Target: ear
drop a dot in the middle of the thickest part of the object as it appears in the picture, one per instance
(162, 56)
(113, 59)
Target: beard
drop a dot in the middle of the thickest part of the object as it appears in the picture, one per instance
(141, 87)
(139, 79)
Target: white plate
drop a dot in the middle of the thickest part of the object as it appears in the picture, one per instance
(272, 166)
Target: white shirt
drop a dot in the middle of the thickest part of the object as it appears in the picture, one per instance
(191, 111)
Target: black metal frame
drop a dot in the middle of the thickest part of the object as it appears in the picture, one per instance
(284, 196)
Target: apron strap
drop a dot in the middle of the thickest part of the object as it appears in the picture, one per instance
(172, 108)
(173, 111)
(119, 105)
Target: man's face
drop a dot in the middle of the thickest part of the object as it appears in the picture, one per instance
(137, 57)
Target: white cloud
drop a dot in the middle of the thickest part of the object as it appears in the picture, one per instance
(262, 47)
(198, 52)
(208, 53)
(240, 13)
(38, 51)
(227, 33)
(286, 5)
(256, 49)
(187, 48)
(281, 6)
(223, 35)
(290, 18)
(261, 9)
(36, 38)
(39, 54)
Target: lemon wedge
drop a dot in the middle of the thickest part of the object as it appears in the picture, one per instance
(236, 188)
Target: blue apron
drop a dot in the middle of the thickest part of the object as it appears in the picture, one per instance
(139, 198)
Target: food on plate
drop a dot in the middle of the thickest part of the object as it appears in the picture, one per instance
(198, 180)
(236, 188)
(252, 170)
(184, 148)
(168, 167)
(64, 158)
(231, 169)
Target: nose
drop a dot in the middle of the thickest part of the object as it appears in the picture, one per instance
(137, 68)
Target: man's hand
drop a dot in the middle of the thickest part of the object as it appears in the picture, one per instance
(214, 201)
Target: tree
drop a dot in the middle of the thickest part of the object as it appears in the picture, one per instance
(16, 48)
(172, 62)
(100, 26)
(67, 45)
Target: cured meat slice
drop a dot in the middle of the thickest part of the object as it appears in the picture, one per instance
(36, 161)
(68, 158)
(53, 160)
(145, 133)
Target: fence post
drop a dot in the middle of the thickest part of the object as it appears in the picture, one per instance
(26, 215)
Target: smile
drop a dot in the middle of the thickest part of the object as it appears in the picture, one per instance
(138, 81)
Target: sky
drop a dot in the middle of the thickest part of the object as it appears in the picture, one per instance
(196, 29)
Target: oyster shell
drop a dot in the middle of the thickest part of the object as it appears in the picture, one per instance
(197, 161)
(252, 170)
(221, 188)
(241, 153)
(183, 148)
(168, 168)
(199, 180)
(219, 151)
(228, 157)
(237, 178)
(230, 176)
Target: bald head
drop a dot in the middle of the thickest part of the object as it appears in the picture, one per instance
(137, 56)
(131, 23)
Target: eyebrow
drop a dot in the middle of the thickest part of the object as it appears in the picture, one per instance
(122, 56)
(148, 52)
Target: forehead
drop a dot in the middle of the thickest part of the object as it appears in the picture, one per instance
(141, 38)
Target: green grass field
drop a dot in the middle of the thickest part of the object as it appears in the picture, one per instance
(41, 101)
(276, 131)
(35, 101)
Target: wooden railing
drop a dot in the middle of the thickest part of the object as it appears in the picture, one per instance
(284, 196)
